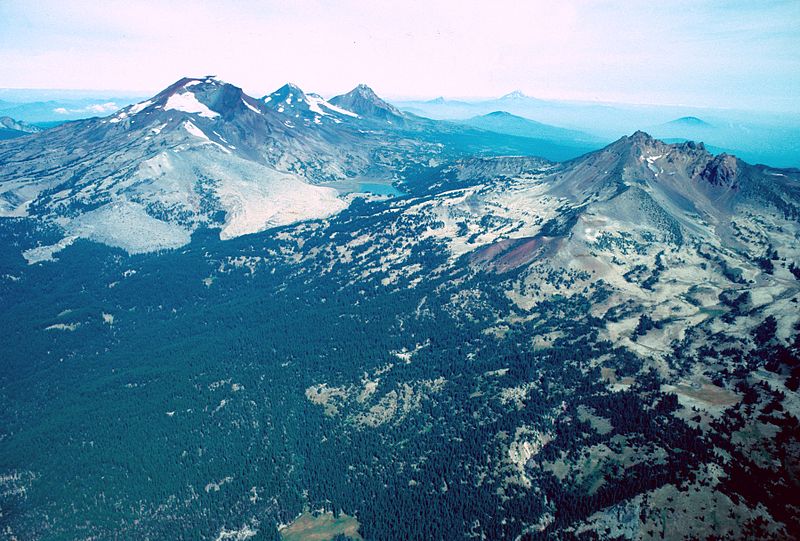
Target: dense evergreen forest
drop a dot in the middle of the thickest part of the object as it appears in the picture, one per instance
(187, 393)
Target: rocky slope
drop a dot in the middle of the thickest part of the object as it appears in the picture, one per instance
(10, 128)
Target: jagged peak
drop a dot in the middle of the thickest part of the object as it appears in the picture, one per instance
(640, 152)
(640, 136)
(635, 142)
(288, 95)
(722, 170)
(365, 89)
(361, 91)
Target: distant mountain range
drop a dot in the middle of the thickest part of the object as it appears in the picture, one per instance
(60, 109)
(758, 137)
(203, 153)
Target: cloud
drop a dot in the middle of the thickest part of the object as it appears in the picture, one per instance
(100, 108)
(95, 108)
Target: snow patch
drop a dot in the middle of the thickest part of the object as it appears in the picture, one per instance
(197, 132)
(122, 116)
(339, 110)
(194, 130)
(139, 107)
(46, 253)
(188, 103)
(314, 103)
(250, 106)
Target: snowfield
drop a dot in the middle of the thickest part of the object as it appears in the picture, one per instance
(188, 103)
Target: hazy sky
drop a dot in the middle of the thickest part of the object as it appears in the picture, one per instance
(713, 53)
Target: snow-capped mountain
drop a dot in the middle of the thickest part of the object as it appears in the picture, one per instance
(147, 176)
(299, 107)
(199, 153)
(515, 95)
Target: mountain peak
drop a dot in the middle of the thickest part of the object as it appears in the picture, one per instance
(185, 83)
(500, 114)
(310, 108)
(207, 97)
(692, 121)
(635, 143)
(365, 89)
(289, 88)
(514, 95)
(363, 101)
(640, 136)
(642, 156)
(365, 92)
(287, 94)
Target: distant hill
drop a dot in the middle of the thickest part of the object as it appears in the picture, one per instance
(689, 121)
(504, 122)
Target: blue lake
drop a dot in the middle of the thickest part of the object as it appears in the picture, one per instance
(378, 189)
(359, 186)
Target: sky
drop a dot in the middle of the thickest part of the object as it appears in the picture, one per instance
(734, 54)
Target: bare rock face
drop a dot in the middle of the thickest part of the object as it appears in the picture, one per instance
(722, 171)
(10, 128)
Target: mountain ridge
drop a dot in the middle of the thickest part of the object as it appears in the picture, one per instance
(259, 164)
